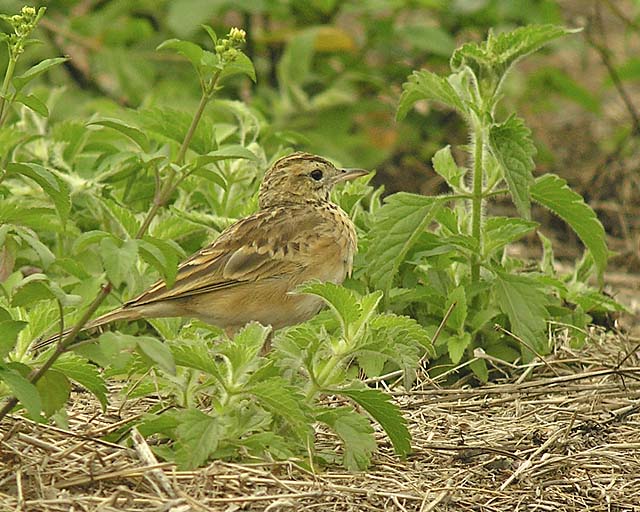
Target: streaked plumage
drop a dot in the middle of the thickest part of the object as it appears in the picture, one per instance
(248, 272)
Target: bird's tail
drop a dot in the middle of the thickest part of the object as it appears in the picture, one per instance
(112, 316)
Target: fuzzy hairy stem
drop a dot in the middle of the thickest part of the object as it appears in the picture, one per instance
(477, 199)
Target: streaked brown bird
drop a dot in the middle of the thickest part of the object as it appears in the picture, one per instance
(250, 271)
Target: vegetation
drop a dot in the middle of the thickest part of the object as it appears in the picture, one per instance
(100, 199)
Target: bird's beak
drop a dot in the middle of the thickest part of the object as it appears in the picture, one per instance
(349, 174)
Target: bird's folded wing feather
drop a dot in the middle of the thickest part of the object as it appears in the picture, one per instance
(265, 245)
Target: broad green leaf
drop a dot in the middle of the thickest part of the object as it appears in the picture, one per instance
(368, 305)
(118, 261)
(342, 301)
(457, 344)
(379, 405)
(124, 217)
(242, 65)
(480, 370)
(34, 103)
(522, 300)
(185, 48)
(458, 316)
(225, 153)
(198, 437)
(501, 231)
(54, 389)
(163, 255)
(397, 226)
(425, 85)
(158, 352)
(23, 390)
(43, 252)
(131, 132)
(553, 193)
(356, 434)
(37, 287)
(445, 166)
(88, 238)
(513, 148)
(9, 330)
(242, 351)
(198, 357)
(51, 184)
(79, 370)
(21, 80)
(280, 398)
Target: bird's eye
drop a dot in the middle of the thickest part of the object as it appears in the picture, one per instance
(316, 174)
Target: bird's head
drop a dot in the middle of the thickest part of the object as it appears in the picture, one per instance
(302, 178)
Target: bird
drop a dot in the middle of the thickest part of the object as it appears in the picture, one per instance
(251, 271)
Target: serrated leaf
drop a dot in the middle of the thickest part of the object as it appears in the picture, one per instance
(225, 153)
(131, 132)
(163, 255)
(521, 299)
(79, 370)
(513, 148)
(158, 352)
(280, 398)
(198, 357)
(124, 217)
(397, 226)
(242, 351)
(23, 390)
(553, 193)
(355, 432)
(457, 344)
(425, 85)
(43, 252)
(445, 166)
(198, 437)
(88, 238)
(51, 184)
(37, 287)
(501, 231)
(9, 330)
(34, 103)
(21, 80)
(54, 389)
(341, 301)
(118, 261)
(379, 405)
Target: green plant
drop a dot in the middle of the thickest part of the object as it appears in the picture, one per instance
(463, 260)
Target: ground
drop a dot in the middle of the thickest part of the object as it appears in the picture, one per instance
(558, 434)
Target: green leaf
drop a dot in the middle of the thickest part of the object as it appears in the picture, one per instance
(226, 153)
(521, 299)
(118, 261)
(491, 59)
(458, 316)
(553, 193)
(37, 287)
(79, 370)
(501, 231)
(242, 65)
(43, 252)
(54, 389)
(356, 434)
(23, 390)
(445, 166)
(342, 301)
(51, 184)
(242, 351)
(280, 398)
(397, 226)
(163, 255)
(479, 369)
(158, 352)
(131, 132)
(198, 357)
(185, 48)
(457, 344)
(425, 85)
(21, 80)
(34, 103)
(513, 148)
(379, 405)
(9, 330)
(124, 217)
(198, 437)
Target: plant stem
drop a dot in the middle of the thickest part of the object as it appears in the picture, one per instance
(11, 66)
(61, 347)
(477, 199)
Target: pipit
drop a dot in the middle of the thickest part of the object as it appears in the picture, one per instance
(250, 272)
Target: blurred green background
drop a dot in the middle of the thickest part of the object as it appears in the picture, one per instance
(330, 74)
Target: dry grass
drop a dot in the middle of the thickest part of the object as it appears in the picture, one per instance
(563, 435)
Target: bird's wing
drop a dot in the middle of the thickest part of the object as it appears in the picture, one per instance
(268, 244)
